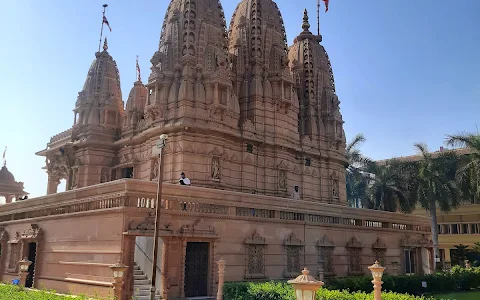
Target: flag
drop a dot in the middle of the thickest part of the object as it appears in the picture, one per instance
(106, 22)
(326, 5)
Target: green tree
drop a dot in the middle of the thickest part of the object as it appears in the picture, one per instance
(468, 173)
(356, 179)
(459, 254)
(388, 187)
(433, 185)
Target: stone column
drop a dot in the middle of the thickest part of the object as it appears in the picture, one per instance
(53, 183)
(8, 199)
(221, 278)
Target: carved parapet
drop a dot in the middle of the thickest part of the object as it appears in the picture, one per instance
(62, 135)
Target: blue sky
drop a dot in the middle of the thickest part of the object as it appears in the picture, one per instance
(405, 71)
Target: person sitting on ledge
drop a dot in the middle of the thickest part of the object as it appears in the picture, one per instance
(184, 180)
(295, 193)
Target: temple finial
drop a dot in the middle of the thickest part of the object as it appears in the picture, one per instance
(105, 45)
(305, 24)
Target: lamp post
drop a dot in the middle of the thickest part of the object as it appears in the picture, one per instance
(305, 286)
(118, 274)
(221, 278)
(23, 265)
(377, 273)
(157, 150)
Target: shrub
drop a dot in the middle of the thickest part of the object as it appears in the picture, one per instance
(457, 279)
(283, 291)
(15, 292)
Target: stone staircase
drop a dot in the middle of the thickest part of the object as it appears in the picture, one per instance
(141, 285)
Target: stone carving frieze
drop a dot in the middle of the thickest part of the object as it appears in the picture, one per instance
(15, 239)
(293, 240)
(409, 242)
(354, 243)
(255, 239)
(32, 233)
(425, 242)
(325, 242)
(379, 244)
(215, 168)
(199, 228)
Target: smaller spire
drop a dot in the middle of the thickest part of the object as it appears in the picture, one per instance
(305, 24)
(105, 45)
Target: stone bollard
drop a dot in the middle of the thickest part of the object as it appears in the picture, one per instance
(221, 278)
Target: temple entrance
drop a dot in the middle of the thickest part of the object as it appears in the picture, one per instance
(196, 269)
(32, 255)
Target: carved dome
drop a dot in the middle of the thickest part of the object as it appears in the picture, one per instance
(6, 175)
(258, 25)
(193, 31)
(137, 97)
(102, 85)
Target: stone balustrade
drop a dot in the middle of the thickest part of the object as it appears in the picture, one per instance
(191, 200)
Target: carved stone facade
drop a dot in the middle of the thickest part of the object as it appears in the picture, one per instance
(255, 253)
(354, 249)
(242, 110)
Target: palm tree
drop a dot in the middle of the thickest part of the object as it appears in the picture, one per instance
(468, 174)
(388, 188)
(356, 180)
(433, 184)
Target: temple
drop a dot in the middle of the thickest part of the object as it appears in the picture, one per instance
(248, 118)
(9, 188)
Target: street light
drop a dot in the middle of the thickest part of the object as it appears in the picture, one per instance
(377, 273)
(23, 265)
(305, 286)
(118, 274)
(157, 150)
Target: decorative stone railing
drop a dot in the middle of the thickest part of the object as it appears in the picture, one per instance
(190, 200)
(62, 135)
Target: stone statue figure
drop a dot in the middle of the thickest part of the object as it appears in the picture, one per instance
(105, 177)
(215, 169)
(282, 179)
(155, 170)
(335, 188)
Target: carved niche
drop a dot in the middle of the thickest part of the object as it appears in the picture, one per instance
(282, 179)
(293, 249)
(154, 169)
(105, 175)
(3, 248)
(255, 253)
(215, 168)
(379, 249)
(335, 186)
(14, 253)
(325, 255)
(354, 249)
(408, 242)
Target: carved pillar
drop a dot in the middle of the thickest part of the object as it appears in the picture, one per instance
(182, 267)
(128, 258)
(53, 182)
(221, 278)
(8, 199)
(164, 268)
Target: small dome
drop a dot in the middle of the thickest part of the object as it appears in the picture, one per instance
(6, 175)
(137, 97)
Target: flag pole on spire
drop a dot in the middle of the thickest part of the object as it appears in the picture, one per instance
(139, 77)
(4, 157)
(104, 21)
(318, 17)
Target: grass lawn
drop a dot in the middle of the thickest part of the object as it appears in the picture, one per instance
(459, 296)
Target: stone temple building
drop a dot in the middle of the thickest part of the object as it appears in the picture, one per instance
(248, 117)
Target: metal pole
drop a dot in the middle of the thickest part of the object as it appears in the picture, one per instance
(158, 206)
(318, 17)
(101, 30)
